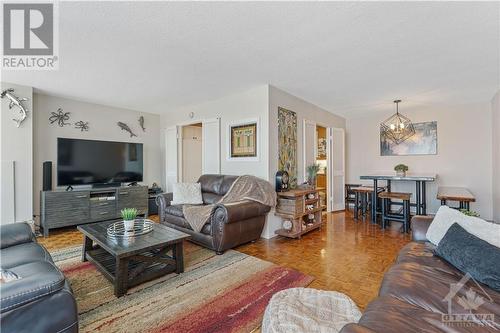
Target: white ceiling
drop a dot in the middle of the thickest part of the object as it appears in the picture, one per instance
(348, 57)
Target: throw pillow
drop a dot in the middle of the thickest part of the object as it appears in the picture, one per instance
(472, 255)
(7, 276)
(187, 194)
(446, 216)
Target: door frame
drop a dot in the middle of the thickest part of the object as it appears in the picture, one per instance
(330, 166)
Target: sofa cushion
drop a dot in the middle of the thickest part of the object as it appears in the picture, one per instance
(211, 198)
(23, 254)
(422, 254)
(446, 216)
(187, 194)
(391, 315)
(226, 184)
(210, 183)
(37, 279)
(175, 210)
(472, 255)
(429, 287)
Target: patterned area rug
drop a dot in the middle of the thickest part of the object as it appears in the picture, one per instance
(226, 293)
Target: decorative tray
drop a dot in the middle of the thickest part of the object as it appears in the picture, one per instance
(141, 227)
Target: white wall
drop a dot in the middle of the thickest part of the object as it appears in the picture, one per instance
(495, 121)
(251, 104)
(102, 126)
(304, 110)
(16, 145)
(464, 151)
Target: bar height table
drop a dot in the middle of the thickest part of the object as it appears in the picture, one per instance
(420, 189)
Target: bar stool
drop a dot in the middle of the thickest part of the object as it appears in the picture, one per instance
(349, 194)
(386, 209)
(361, 194)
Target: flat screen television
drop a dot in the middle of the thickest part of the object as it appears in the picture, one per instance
(83, 162)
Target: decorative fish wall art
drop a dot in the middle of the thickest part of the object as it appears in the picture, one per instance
(125, 127)
(15, 101)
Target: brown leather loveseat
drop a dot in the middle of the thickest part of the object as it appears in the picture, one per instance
(229, 226)
(415, 295)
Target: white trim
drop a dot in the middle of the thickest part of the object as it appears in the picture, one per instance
(304, 148)
(257, 143)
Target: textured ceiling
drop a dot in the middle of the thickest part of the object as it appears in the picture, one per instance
(348, 57)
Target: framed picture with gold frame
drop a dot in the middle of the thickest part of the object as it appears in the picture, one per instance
(243, 141)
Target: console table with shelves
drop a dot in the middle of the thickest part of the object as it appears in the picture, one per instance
(67, 208)
(300, 212)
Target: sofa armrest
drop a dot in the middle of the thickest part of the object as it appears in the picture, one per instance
(238, 211)
(355, 328)
(15, 234)
(162, 201)
(419, 226)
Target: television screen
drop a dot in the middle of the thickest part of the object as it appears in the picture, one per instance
(98, 162)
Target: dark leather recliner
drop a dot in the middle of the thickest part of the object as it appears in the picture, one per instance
(229, 226)
(41, 299)
(415, 292)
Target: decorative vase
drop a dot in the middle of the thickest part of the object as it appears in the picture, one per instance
(129, 225)
(401, 173)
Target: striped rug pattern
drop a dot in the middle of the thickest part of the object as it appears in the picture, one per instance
(226, 293)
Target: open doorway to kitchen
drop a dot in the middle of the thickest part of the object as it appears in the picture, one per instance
(321, 160)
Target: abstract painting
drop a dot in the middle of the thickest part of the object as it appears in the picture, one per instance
(244, 140)
(287, 144)
(423, 142)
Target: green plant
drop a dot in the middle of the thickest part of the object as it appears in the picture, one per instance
(401, 167)
(469, 212)
(312, 171)
(129, 214)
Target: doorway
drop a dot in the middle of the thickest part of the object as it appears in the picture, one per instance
(324, 145)
(192, 158)
(321, 160)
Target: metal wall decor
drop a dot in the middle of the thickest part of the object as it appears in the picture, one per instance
(141, 123)
(125, 127)
(15, 101)
(398, 127)
(82, 125)
(60, 117)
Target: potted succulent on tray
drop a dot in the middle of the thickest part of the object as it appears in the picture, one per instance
(401, 170)
(129, 215)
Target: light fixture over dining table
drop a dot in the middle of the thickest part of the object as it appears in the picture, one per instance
(398, 127)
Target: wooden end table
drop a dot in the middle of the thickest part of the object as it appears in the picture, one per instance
(132, 261)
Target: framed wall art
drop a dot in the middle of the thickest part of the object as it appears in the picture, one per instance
(423, 142)
(243, 140)
(287, 144)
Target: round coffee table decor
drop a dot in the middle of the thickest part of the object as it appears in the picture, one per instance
(309, 310)
(141, 227)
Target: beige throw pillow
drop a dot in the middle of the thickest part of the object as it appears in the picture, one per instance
(187, 194)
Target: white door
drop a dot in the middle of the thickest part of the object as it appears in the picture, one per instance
(171, 157)
(337, 164)
(309, 145)
(211, 146)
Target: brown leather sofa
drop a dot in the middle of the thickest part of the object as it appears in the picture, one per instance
(230, 225)
(415, 291)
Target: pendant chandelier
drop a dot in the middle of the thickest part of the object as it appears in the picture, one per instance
(397, 128)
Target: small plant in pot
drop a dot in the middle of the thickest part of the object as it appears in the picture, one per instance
(312, 172)
(401, 170)
(129, 215)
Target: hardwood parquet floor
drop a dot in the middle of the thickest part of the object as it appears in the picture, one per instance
(347, 256)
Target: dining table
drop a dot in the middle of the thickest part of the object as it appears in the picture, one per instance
(420, 180)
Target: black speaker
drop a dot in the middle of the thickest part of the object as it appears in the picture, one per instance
(47, 176)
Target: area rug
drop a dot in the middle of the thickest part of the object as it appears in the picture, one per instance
(225, 293)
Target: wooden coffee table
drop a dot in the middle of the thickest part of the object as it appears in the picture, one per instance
(129, 262)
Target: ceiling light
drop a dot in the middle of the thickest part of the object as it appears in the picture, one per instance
(397, 128)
